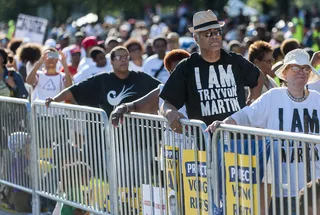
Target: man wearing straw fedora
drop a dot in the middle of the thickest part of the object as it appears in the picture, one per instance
(210, 83)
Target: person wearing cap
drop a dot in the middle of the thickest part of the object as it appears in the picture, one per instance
(67, 50)
(88, 43)
(293, 108)
(75, 60)
(98, 56)
(210, 84)
(110, 43)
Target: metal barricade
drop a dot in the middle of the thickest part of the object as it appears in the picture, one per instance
(73, 154)
(16, 182)
(159, 171)
(260, 171)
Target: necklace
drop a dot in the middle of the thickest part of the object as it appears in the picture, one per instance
(304, 97)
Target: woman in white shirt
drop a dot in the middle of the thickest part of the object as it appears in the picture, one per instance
(49, 82)
(292, 108)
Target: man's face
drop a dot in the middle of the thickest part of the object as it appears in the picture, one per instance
(75, 58)
(100, 60)
(173, 207)
(120, 63)
(160, 47)
(210, 39)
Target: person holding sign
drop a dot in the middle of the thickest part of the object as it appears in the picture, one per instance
(210, 84)
(293, 108)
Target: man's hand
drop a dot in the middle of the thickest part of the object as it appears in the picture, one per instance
(212, 128)
(117, 114)
(315, 60)
(173, 118)
(48, 101)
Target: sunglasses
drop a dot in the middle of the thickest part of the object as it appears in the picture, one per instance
(119, 57)
(297, 69)
(216, 33)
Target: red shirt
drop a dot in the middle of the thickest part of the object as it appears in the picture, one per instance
(73, 70)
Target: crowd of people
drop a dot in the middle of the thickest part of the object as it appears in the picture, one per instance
(244, 75)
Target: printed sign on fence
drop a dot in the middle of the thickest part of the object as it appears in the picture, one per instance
(241, 173)
(173, 178)
(31, 27)
(152, 201)
(192, 167)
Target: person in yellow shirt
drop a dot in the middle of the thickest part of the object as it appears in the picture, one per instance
(298, 23)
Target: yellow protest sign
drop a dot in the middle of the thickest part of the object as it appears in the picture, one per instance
(192, 185)
(173, 178)
(243, 190)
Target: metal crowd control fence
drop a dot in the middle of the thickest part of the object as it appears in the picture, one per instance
(73, 153)
(159, 171)
(15, 153)
(260, 171)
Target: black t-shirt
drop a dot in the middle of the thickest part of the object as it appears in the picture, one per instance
(107, 90)
(210, 91)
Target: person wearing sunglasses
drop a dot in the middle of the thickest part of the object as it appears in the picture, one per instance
(295, 109)
(210, 83)
(261, 55)
(150, 102)
(108, 90)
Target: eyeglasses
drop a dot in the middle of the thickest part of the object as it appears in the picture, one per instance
(216, 33)
(119, 57)
(269, 61)
(297, 69)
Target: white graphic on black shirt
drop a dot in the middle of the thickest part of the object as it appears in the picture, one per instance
(115, 99)
(221, 95)
(49, 86)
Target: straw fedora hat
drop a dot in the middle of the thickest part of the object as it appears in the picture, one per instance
(298, 57)
(204, 20)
